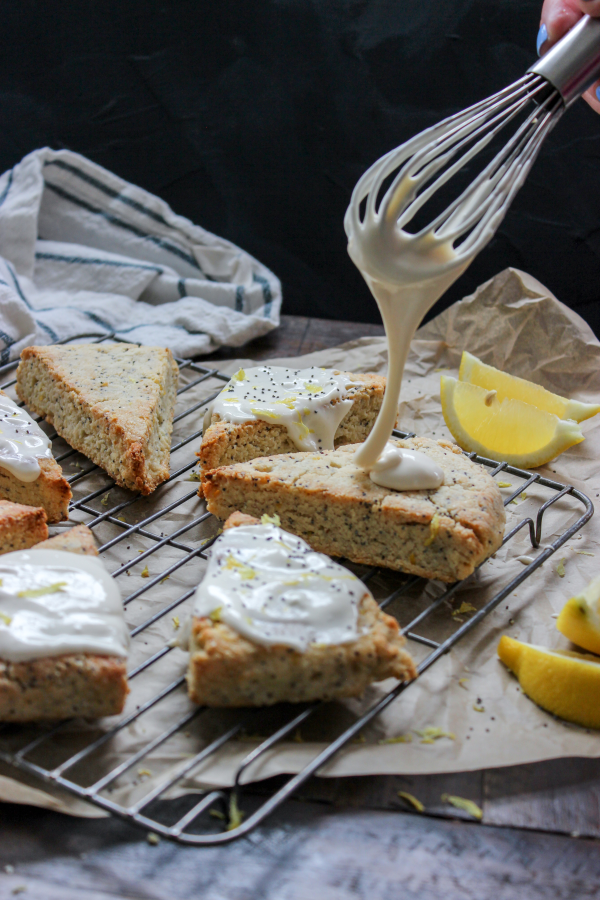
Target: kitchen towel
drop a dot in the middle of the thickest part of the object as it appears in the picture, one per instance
(84, 252)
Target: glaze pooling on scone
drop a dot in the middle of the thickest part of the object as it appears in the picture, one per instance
(272, 588)
(400, 469)
(22, 442)
(310, 403)
(54, 603)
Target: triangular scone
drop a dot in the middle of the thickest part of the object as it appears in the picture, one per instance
(225, 442)
(114, 404)
(21, 526)
(330, 502)
(49, 490)
(228, 669)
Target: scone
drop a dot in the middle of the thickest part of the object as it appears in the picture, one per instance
(21, 526)
(114, 404)
(271, 409)
(333, 504)
(29, 473)
(63, 637)
(79, 539)
(274, 622)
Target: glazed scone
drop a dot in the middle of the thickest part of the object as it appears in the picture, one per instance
(330, 502)
(264, 657)
(48, 489)
(76, 540)
(244, 436)
(114, 404)
(38, 685)
(21, 526)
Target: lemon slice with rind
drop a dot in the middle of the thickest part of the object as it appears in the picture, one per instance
(580, 618)
(510, 387)
(508, 429)
(562, 682)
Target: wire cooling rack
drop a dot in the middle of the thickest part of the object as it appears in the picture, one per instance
(210, 814)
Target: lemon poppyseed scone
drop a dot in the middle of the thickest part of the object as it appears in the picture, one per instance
(289, 658)
(330, 502)
(29, 474)
(84, 684)
(76, 540)
(114, 404)
(281, 410)
(21, 526)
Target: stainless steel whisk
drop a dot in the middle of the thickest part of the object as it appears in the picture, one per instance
(376, 221)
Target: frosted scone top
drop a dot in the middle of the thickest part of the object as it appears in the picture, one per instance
(272, 588)
(310, 403)
(22, 441)
(54, 603)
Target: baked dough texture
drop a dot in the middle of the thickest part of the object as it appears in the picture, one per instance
(21, 526)
(331, 503)
(50, 490)
(228, 670)
(224, 443)
(114, 404)
(59, 687)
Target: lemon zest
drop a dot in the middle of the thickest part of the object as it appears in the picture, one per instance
(176, 622)
(6, 619)
(243, 570)
(312, 388)
(478, 708)
(235, 814)
(240, 375)
(560, 569)
(464, 609)
(431, 734)
(467, 806)
(215, 615)
(399, 739)
(434, 527)
(411, 800)
(145, 573)
(504, 484)
(47, 589)
(266, 519)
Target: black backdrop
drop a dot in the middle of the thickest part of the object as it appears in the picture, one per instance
(255, 118)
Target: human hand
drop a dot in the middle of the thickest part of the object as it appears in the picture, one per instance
(558, 17)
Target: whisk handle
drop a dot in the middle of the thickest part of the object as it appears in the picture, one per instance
(573, 64)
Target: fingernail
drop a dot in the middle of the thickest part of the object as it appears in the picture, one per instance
(598, 93)
(541, 38)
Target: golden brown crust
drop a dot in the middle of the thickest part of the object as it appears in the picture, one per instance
(21, 526)
(76, 540)
(50, 490)
(332, 504)
(227, 670)
(113, 403)
(225, 443)
(62, 686)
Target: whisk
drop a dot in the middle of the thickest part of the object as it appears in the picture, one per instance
(376, 220)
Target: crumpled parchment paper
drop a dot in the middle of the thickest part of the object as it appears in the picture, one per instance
(516, 324)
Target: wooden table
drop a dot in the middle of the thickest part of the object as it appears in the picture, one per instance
(339, 838)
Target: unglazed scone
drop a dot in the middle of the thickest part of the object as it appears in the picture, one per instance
(225, 442)
(114, 404)
(229, 668)
(21, 526)
(79, 539)
(60, 686)
(330, 502)
(49, 489)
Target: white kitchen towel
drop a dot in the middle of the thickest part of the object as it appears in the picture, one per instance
(82, 252)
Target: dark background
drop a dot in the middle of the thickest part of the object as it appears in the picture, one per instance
(255, 119)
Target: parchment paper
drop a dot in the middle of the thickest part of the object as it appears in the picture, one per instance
(516, 324)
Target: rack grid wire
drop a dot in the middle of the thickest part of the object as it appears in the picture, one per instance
(210, 818)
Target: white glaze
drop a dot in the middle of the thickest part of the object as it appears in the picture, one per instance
(310, 403)
(272, 588)
(22, 441)
(402, 469)
(82, 613)
(406, 277)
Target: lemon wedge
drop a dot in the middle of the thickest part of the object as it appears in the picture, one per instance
(562, 682)
(508, 429)
(509, 387)
(580, 618)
